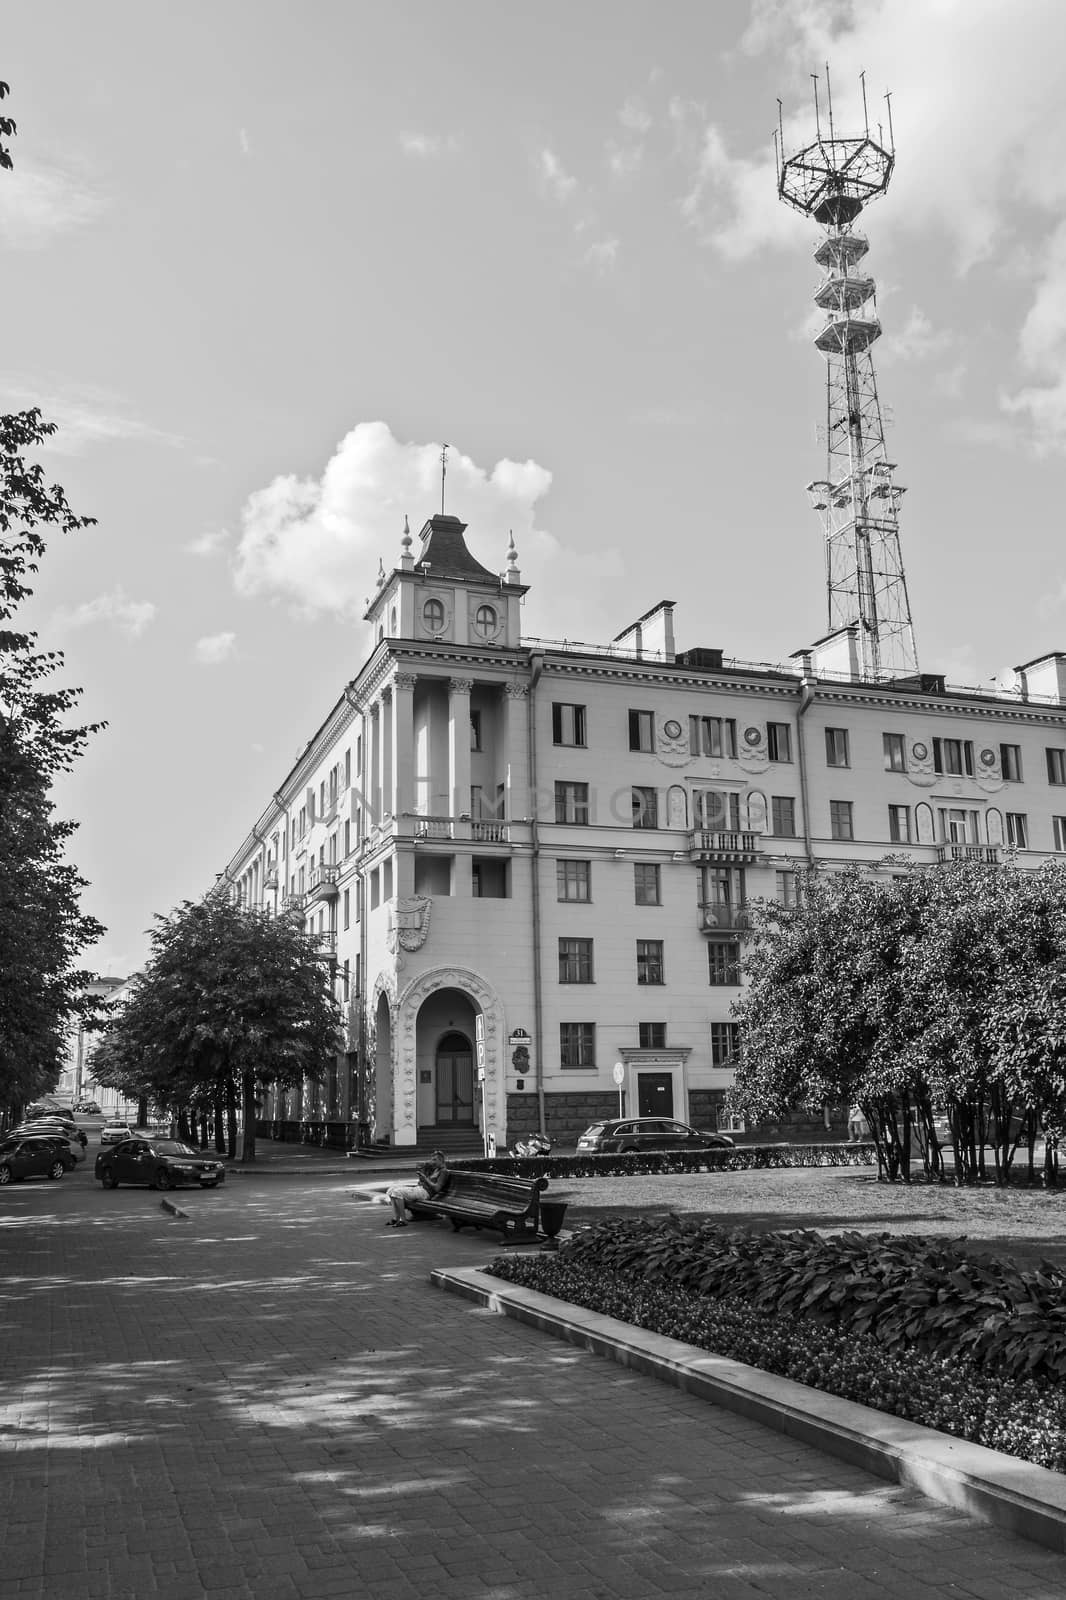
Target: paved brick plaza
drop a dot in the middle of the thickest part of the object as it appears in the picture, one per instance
(267, 1399)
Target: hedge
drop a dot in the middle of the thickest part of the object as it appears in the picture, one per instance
(739, 1158)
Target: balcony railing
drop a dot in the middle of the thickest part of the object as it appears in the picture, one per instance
(325, 942)
(716, 918)
(728, 844)
(486, 832)
(322, 884)
(292, 901)
(270, 878)
(433, 827)
(986, 853)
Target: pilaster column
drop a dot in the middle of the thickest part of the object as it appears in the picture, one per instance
(459, 745)
(387, 758)
(517, 799)
(403, 744)
(374, 821)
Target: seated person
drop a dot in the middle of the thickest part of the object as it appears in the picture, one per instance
(432, 1180)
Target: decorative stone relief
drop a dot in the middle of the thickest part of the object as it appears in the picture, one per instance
(672, 743)
(988, 774)
(408, 925)
(460, 685)
(405, 680)
(920, 765)
(676, 807)
(517, 691)
(751, 749)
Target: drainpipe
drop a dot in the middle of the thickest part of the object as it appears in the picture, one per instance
(537, 664)
(801, 752)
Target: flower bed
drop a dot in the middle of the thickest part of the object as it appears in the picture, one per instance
(739, 1158)
(973, 1347)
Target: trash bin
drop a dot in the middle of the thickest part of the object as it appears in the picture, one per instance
(551, 1214)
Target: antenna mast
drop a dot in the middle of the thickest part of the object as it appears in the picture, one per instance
(831, 180)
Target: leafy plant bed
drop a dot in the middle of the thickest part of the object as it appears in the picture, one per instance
(741, 1158)
(973, 1347)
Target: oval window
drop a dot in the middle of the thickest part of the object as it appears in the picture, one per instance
(485, 620)
(433, 615)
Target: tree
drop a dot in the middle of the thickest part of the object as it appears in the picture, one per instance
(42, 928)
(911, 992)
(230, 1002)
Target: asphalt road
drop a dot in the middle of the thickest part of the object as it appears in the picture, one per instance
(265, 1399)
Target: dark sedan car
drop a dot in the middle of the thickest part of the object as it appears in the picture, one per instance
(647, 1133)
(33, 1157)
(160, 1163)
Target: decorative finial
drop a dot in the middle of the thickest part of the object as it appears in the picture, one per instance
(406, 540)
(407, 560)
(381, 572)
(512, 553)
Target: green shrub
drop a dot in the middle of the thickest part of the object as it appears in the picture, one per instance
(905, 1293)
(741, 1158)
(1022, 1417)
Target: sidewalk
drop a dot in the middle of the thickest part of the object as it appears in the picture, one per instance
(267, 1399)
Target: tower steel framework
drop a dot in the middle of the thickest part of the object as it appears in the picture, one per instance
(832, 180)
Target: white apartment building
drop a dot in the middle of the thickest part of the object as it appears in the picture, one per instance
(528, 863)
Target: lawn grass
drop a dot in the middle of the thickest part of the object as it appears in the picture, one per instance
(1027, 1225)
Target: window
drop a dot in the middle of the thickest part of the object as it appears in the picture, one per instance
(954, 757)
(783, 816)
(725, 1039)
(572, 803)
(715, 810)
(433, 615)
(650, 961)
(577, 1045)
(1056, 766)
(840, 819)
(1017, 830)
(475, 730)
(958, 826)
(779, 741)
(568, 724)
(712, 736)
(786, 888)
(1010, 762)
(836, 747)
(899, 824)
(1058, 828)
(645, 808)
(647, 883)
(347, 837)
(723, 961)
(347, 906)
(347, 769)
(651, 1035)
(575, 960)
(573, 880)
(895, 748)
(641, 730)
(485, 621)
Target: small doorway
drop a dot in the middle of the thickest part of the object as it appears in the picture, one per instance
(655, 1094)
(455, 1081)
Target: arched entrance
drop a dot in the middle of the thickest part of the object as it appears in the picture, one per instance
(454, 1074)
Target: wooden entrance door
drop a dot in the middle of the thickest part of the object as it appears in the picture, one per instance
(455, 1081)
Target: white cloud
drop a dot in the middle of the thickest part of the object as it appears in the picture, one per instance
(85, 416)
(559, 184)
(428, 146)
(38, 203)
(602, 255)
(316, 542)
(208, 544)
(115, 609)
(215, 648)
(917, 340)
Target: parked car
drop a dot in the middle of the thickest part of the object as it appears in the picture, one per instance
(160, 1163)
(56, 1125)
(647, 1133)
(115, 1132)
(33, 1158)
(87, 1108)
(60, 1136)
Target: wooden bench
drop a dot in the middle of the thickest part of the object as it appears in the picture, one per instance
(481, 1200)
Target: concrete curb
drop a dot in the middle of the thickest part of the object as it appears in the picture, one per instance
(1022, 1499)
(175, 1211)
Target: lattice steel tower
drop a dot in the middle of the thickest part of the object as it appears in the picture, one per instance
(831, 180)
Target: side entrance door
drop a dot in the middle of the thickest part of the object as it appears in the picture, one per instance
(455, 1081)
(655, 1094)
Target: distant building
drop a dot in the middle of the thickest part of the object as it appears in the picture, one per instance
(537, 858)
(75, 1080)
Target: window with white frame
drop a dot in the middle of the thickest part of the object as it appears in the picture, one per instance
(899, 824)
(572, 803)
(645, 807)
(725, 1042)
(650, 961)
(642, 730)
(837, 753)
(841, 821)
(1010, 762)
(568, 724)
(577, 1046)
(783, 816)
(895, 749)
(575, 960)
(573, 880)
(647, 883)
(1058, 833)
(712, 736)
(778, 741)
(1056, 765)
(786, 888)
(1017, 830)
(723, 961)
(651, 1035)
(953, 757)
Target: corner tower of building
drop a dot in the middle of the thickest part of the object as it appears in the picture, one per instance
(444, 595)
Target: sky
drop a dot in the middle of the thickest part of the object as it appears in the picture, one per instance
(262, 260)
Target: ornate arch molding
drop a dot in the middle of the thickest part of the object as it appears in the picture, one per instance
(405, 1022)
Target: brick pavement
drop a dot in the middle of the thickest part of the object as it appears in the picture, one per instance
(267, 1399)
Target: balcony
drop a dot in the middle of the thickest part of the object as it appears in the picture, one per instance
(716, 918)
(486, 832)
(322, 884)
(325, 943)
(987, 854)
(270, 878)
(733, 845)
(433, 828)
(292, 901)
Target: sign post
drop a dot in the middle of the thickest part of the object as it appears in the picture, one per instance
(620, 1078)
(479, 1039)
